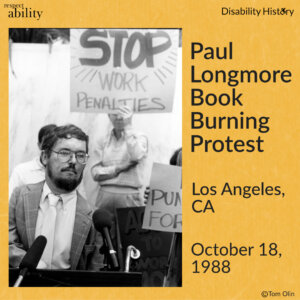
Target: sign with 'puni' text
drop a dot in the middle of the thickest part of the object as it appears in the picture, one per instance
(164, 207)
(116, 67)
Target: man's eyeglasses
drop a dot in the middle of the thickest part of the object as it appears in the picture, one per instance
(66, 155)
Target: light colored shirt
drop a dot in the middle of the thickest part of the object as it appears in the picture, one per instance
(25, 173)
(64, 226)
(131, 146)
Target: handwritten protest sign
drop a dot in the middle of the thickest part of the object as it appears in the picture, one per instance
(163, 211)
(113, 67)
(153, 245)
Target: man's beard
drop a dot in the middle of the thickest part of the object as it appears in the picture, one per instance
(67, 184)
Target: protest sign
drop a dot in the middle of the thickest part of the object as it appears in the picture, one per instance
(163, 211)
(113, 67)
(154, 246)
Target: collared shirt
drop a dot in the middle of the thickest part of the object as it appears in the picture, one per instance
(65, 218)
(131, 146)
(29, 172)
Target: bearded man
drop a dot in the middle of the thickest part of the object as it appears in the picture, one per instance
(55, 209)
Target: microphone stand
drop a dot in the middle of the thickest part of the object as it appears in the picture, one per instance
(104, 250)
(20, 277)
(108, 263)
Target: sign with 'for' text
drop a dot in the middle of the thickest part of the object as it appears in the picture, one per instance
(164, 207)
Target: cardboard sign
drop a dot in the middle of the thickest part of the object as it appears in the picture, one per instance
(114, 67)
(163, 211)
(153, 245)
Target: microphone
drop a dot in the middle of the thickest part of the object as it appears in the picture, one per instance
(31, 258)
(103, 220)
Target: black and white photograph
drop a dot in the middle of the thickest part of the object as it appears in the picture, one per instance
(95, 156)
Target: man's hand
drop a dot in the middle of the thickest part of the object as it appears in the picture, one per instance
(125, 112)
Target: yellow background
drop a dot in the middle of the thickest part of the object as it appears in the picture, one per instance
(265, 42)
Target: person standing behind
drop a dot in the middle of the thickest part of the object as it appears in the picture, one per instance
(31, 171)
(122, 161)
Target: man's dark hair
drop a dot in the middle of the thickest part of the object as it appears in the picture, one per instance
(63, 132)
(44, 131)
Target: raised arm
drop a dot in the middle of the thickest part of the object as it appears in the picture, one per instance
(137, 145)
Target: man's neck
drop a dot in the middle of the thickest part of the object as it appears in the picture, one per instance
(118, 133)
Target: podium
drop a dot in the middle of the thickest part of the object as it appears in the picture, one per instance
(67, 278)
